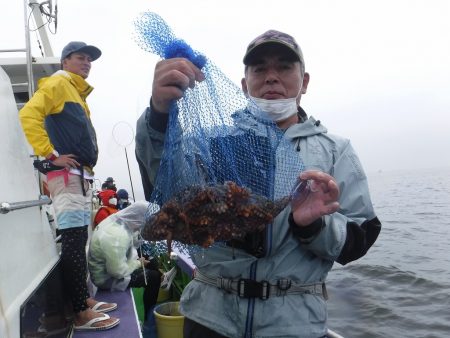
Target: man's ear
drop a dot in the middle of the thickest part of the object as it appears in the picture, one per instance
(305, 83)
(244, 86)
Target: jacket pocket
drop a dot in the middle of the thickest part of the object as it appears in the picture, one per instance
(317, 309)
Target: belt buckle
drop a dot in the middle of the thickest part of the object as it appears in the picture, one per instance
(283, 285)
(265, 290)
(248, 288)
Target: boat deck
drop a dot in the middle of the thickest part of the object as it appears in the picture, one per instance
(129, 324)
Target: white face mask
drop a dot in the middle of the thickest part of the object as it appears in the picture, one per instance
(113, 201)
(275, 110)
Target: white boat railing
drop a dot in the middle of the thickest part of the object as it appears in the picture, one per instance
(332, 334)
(6, 207)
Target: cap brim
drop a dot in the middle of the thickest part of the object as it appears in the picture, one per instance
(92, 51)
(260, 48)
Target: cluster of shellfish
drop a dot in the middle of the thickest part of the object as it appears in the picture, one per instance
(202, 215)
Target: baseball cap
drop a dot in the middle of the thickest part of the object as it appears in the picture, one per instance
(109, 179)
(122, 193)
(273, 37)
(79, 46)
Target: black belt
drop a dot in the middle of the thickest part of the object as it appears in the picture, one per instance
(248, 288)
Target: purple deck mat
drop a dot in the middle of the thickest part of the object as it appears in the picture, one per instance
(184, 262)
(129, 324)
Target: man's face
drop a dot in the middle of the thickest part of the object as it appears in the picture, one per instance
(78, 63)
(273, 76)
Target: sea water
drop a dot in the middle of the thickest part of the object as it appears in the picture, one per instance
(401, 288)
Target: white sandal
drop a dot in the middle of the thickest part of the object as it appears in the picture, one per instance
(110, 308)
(89, 325)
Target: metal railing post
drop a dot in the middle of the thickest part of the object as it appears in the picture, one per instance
(6, 207)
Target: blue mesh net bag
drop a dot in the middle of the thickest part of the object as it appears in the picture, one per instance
(220, 169)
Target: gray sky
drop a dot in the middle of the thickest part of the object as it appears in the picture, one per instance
(380, 70)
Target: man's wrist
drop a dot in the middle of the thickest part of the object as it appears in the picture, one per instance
(307, 231)
(52, 156)
(156, 120)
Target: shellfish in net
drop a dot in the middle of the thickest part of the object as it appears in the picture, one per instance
(202, 215)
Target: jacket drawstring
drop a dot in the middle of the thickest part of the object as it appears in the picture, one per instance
(298, 145)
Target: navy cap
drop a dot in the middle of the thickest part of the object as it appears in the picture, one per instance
(273, 37)
(79, 46)
(122, 193)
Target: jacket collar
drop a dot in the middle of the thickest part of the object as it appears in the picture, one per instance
(309, 127)
(80, 84)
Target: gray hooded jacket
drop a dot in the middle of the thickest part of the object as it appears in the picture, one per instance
(293, 255)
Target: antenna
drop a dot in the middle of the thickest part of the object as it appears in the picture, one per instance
(45, 11)
(51, 13)
(56, 15)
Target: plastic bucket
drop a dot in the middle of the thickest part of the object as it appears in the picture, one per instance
(169, 321)
(163, 295)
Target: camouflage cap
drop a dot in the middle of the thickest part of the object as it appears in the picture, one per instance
(273, 37)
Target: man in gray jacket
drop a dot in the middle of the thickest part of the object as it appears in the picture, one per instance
(274, 285)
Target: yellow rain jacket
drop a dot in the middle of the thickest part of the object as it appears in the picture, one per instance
(57, 117)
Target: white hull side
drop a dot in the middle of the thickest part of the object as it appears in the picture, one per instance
(28, 251)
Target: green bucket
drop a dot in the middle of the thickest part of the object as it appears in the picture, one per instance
(169, 321)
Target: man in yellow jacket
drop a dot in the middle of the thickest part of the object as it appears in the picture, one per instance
(57, 124)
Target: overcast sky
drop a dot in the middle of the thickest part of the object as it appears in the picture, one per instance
(380, 70)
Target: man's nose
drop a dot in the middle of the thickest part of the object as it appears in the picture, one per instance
(271, 76)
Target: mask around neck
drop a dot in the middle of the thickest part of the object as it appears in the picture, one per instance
(275, 110)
